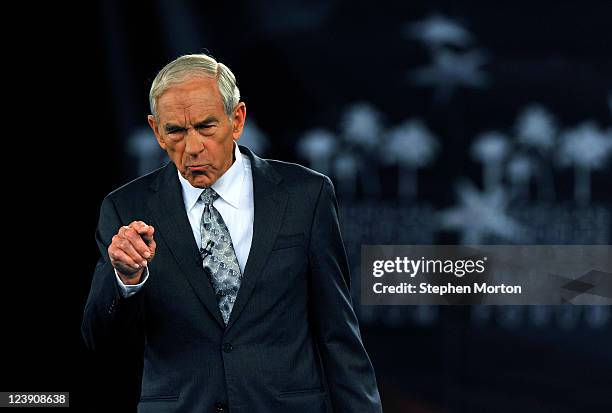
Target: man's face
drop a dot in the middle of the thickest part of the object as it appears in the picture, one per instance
(195, 131)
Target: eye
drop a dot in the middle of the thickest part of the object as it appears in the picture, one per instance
(207, 129)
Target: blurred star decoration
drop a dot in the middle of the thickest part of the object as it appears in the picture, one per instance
(536, 131)
(254, 138)
(357, 150)
(451, 70)
(345, 168)
(318, 146)
(437, 31)
(410, 146)
(491, 149)
(586, 148)
(361, 127)
(536, 128)
(453, 63)
(143, 146)
(520, 171)
(480, 215)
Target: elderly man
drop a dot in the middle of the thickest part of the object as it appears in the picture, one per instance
(232, 267)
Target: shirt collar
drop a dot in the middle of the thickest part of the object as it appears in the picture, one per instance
(228, 186)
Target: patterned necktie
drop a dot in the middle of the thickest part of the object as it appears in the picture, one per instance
(218, 255)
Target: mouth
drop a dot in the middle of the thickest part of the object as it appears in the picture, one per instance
(197, 168)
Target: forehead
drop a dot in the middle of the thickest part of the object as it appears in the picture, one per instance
(193, 97)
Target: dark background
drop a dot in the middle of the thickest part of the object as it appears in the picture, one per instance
(301, 66)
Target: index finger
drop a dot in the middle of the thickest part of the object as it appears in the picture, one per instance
(139, 226)
(144, 230)
(137, 242)
(147, 234)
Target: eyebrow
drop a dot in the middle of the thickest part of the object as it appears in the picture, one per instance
(170, 127)
(207, 121)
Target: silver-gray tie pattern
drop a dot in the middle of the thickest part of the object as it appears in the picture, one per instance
(218, 255)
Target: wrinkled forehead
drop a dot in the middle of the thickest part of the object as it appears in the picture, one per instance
(197, 97)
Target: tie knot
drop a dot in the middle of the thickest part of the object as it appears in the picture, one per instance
(208, 196)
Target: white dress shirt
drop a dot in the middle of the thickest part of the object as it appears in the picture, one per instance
(235, 204)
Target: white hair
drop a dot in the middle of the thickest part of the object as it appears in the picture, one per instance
(189, 65)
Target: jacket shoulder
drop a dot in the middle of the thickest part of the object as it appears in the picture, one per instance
(300, 180)
(296, 174)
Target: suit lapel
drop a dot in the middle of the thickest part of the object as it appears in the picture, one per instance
(269, 203)
(169, 210)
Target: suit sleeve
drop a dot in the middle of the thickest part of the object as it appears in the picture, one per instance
(348, 371)
(110, 319)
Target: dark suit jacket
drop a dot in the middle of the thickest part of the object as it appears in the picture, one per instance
(292, 343)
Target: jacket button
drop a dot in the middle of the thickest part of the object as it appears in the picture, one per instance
(227, 347)
(220, 407)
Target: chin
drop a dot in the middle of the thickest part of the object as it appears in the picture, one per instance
(200, 181)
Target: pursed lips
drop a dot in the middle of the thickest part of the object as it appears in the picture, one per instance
(198, 167)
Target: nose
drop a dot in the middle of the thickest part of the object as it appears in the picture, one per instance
(194, 143)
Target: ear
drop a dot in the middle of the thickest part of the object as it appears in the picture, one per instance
(238, 120)
(153, 124)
